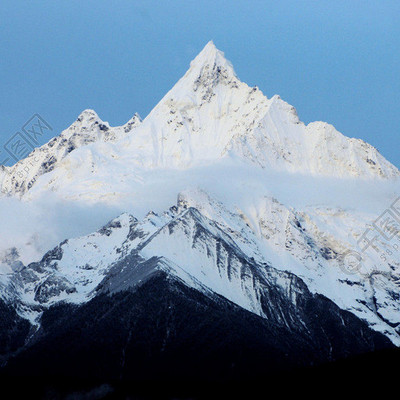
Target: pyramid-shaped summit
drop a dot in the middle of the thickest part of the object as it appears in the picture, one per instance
(209, 69)
(212, 61)
(210, 114)
(209, 55)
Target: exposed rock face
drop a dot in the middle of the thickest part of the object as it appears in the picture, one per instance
(218, 255)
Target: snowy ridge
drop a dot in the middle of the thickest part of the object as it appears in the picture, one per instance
(207, 116)
(210, 114)
(213, 250)
(88, 128)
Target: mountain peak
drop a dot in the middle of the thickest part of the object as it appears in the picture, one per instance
(133, 122)
(211, 59)
(87, 121)
(209, 52)
(209, 70)
(88, 115)
(210, 45)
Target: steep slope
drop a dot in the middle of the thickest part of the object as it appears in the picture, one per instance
(177, 269)
(214, 251)
(311, 244)
(210, 114)
(163, 330)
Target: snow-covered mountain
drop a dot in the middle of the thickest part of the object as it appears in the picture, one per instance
(207, 116)
(88, 128)
(266, 209)
(213, 250)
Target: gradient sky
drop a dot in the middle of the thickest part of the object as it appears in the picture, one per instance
(335, 61)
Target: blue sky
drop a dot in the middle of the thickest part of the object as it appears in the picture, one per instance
(335, 61)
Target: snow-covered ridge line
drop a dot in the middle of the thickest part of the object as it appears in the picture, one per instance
(88, 128)
(207, 116)
(209, 247)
